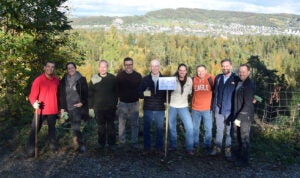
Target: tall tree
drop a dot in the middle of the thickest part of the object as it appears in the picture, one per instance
(32, 32)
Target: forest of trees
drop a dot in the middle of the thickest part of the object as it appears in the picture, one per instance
(42, 32)
(279, 53)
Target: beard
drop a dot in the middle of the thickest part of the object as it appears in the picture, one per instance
(226, 71)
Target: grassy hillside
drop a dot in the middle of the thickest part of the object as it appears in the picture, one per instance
(189, 15)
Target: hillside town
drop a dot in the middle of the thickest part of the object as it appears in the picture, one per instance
(193, 28)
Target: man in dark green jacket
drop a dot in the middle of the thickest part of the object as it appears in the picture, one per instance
(103, 100)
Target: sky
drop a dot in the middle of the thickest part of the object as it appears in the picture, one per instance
(121, 8)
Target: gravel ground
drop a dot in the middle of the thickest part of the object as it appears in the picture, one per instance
(128, 162)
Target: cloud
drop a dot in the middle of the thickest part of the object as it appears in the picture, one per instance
(140, 7)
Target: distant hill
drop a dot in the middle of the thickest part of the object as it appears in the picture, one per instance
(195, 19)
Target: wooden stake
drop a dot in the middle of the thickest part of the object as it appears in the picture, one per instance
(36, 132)
(167, 123)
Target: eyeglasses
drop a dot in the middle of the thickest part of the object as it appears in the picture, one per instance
(128, 64)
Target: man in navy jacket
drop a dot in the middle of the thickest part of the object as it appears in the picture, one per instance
(225, 84)
(154, 108)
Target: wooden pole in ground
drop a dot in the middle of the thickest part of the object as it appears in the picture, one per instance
(167, 123)
(36, 132)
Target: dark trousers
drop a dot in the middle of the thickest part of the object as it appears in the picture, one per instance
(51, 120)
(242, 135)
(75, 119)
(106, 127)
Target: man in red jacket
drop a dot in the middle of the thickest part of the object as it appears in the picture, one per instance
(43, 97)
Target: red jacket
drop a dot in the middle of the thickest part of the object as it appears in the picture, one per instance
(45, 91)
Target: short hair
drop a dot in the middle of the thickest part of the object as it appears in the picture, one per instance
(128, 59)
(103, 60)
(245, 65)
(155, 61)
(68, 63)
(201, 65)
(226, 60)
(51, 62)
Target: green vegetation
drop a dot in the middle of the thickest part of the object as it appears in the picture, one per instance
(42, 33)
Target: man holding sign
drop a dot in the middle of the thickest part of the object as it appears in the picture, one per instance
(154, 108)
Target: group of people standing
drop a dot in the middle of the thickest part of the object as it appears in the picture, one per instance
(227, 97)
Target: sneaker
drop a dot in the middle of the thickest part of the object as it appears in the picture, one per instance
(216, 150)
(228, 154)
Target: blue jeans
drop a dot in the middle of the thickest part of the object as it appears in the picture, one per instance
(207, 121)
(186, 118)
(158, 117)
(220, 118)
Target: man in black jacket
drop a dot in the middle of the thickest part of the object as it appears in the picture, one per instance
(73, 98)
(153, 107)
(243, 114)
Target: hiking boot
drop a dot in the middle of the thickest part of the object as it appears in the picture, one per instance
(75, 143)
(216, 150)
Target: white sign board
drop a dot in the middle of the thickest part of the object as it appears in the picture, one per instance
(167, 83)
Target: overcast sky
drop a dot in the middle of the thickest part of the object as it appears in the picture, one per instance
(140, 7)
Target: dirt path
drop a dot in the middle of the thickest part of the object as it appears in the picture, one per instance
(127, 162)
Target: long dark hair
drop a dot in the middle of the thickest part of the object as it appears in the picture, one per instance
(182, 82)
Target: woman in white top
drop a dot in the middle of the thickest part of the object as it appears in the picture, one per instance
(179, 105)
